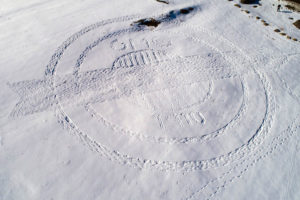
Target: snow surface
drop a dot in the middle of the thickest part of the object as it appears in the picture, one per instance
(95, 105)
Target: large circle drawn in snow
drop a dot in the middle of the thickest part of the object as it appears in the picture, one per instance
(211, 42)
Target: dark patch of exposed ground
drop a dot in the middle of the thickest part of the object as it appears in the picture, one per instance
(249, 1)
(295, 1)
(297, 24)
(170, 16)
(148, 22)
(162, 1)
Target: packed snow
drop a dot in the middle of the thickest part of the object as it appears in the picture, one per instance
(152, 99)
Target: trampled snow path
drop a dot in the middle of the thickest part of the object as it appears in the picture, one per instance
(182, 105)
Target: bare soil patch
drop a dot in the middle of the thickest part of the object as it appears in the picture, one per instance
(162, 1)
(297, 24)
(148, 22)
(249, 1)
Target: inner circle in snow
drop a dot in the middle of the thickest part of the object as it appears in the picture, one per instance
(165, 88)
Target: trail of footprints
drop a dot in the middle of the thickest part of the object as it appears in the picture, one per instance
(242, 167)
(276, 30)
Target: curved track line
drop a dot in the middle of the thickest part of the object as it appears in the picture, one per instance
(256, 156)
